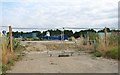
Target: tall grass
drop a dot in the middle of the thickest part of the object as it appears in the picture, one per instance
(8, 57)
(5, 51)
(109, 50)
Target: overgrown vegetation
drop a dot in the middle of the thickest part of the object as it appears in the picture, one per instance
(0, 68)
(31, 39)
(110, 49)
(8, 58)
(96, 45)
(97, 54)
(112, 53)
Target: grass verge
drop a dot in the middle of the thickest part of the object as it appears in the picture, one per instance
(16, 56)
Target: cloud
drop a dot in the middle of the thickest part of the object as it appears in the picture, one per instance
(60, 13)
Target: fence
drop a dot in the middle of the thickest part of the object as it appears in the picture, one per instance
(83, 43)
(6, 46)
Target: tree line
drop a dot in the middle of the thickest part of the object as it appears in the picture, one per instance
(69, 33)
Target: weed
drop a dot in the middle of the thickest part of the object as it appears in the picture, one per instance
(97, 54)
(4, 68)
(7, 59)
(11, 62)
(0, 69)
(113, 53)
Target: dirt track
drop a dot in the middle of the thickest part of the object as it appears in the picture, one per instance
(41, 62)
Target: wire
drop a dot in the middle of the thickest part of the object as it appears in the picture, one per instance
(4, 26)
(35, 28)
(57, 28)
(85, 28)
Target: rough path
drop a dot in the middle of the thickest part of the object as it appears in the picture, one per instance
(41, 62)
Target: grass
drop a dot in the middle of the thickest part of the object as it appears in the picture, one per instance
(11, 62)
(60, 46)
(5, 52)
(8, 58)
(1, 69)
(7, 66)
(110, 50)
(112, 53)
(97, 54)
(31, 39)
(107, 52)
(4, 69)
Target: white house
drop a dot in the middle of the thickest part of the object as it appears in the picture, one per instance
(48, 34)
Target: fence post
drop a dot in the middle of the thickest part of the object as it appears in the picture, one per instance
(105, 36)
(10, 35)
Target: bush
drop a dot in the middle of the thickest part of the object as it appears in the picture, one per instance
(11, 62)
(85, 42)
(97, 54)
(35, 39)
(71, 39)
(31, 39)
(0, 69)
(113, 53)
(113, 39)
(17, 47)
(4, 69)
(16, 43)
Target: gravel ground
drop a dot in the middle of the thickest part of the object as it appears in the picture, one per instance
(41, 62)
(46, 61)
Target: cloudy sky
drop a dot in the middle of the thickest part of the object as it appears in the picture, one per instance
(59, 13)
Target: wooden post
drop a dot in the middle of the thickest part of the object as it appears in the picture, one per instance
(0, 32)
(11, 43)
(105, 36)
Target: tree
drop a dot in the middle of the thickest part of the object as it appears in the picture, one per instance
(103, 30)
(76, 34)
(68, 33)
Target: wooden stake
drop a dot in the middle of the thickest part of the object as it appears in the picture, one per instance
(11, 43)
(105, 36)
(0, 32)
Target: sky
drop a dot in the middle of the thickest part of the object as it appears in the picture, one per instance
(59, 13)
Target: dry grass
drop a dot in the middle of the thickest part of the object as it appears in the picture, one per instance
(8, 57)
(4, 51)
(6, 54)
(64, 46)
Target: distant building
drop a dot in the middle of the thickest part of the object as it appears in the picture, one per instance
(30, 35)
(54, 37)
(34, 35)
(48, 34)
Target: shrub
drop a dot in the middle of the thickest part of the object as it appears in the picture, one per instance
(113, 39)
(16, 43)
(4, 69)
(11, 62)
(35, 39)
(113, 53)
(97, 54)
(71, 39)
(0, 69)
